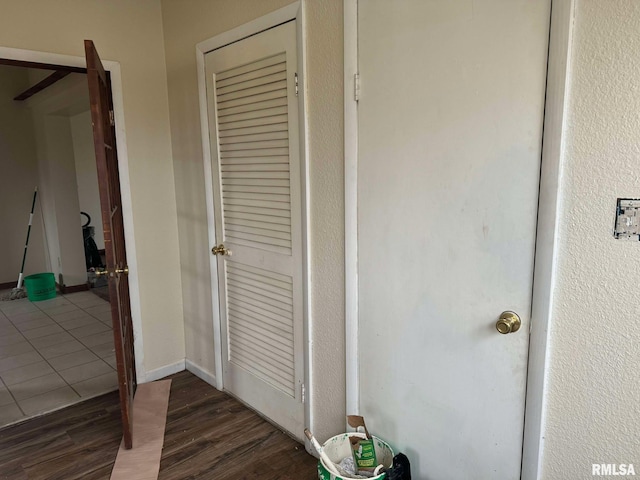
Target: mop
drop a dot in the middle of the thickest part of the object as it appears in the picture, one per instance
(19, 292)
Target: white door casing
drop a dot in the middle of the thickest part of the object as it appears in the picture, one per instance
(254, 135)
(449, 139)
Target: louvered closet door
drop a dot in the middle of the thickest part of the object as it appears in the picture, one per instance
(253, 118)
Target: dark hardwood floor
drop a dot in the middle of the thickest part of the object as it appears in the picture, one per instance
(209, 435)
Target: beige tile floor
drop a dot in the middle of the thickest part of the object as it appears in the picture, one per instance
(54, 353)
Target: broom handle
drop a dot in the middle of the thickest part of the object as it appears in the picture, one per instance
(26, 244)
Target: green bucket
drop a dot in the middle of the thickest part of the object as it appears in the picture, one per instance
(339, 447)
(40, 286)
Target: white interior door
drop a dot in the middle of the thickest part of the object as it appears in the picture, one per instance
(253, 117)
(450, 129)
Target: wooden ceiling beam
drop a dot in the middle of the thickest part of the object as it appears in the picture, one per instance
(41, 85)
(41, 66)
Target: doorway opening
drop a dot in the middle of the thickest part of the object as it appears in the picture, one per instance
(60, 351)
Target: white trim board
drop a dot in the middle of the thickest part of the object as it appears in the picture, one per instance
(546, 248)
(258, 25)
(125, 182)
(201, 373)
(558, 72)
(306, 215)
(164, 371)
(351, 206)
(211, 224)
(284, 14)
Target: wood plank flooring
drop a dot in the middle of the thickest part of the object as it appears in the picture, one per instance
(209, 435)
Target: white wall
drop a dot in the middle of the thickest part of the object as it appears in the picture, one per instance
(87, 172)
(131, 34)
(325, 114)
(60, 198)
(18, 177)
(186, 24)
(592, 410)
(57, 193)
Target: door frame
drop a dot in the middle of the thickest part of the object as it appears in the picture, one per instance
(125, 182)
(294, 11)
(546, 249)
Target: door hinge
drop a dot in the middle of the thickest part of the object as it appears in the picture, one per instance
(303, 392)
(356, 87)
(296, 77)
(112, 119)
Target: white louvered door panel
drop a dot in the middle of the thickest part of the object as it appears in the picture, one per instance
(259, 308)
(254, 135)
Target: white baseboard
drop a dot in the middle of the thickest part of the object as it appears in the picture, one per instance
(201, 373)
(165, 371)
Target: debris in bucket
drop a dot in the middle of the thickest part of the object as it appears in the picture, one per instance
(338, 462)
(364, 452)
(365, 457)
(336, 469)
(348, 466)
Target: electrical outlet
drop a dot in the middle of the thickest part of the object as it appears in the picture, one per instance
(627, 219)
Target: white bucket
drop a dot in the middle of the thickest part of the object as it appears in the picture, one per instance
(339, 447)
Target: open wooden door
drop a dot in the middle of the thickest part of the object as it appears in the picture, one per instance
(116, 257)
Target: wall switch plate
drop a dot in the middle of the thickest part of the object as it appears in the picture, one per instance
(627, 219)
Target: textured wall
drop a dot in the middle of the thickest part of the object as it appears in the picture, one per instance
(87, 172)
(325, 65)
(59, 189)
(186, 24)
(592, 409)
(131, 34)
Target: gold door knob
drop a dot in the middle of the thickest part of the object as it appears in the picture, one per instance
(509, 322)
(124, 270)
(221, 250)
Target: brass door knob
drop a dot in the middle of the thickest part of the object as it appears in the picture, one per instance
(124, 270)
(509, 322)
(221, 250)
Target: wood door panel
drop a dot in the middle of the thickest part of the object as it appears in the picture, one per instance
(101, 102)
